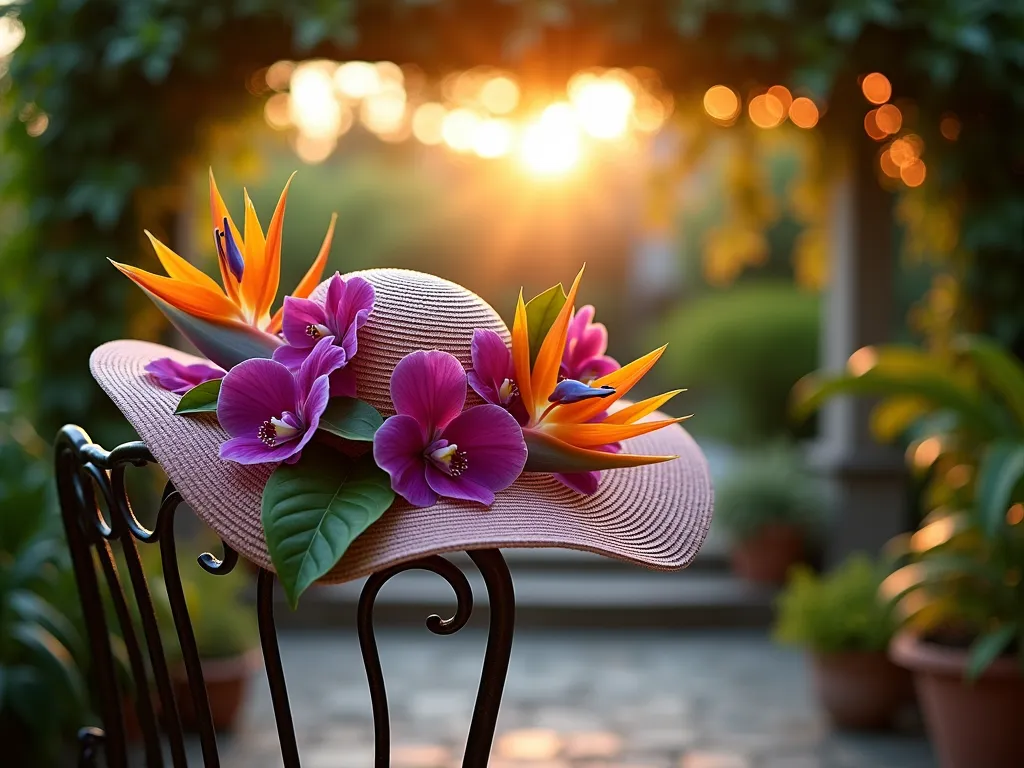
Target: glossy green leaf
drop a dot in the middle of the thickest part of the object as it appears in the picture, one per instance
(999, 369)
(988, 648)
(541, 312)
(1001, 471)
(314, 509)
(200, 399)
(351, 419)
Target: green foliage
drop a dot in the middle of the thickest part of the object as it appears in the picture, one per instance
(841, 611)
(314, 509)
(773, 486)
(961, 579)
(42, 691)
(221, 610)
(741, 352)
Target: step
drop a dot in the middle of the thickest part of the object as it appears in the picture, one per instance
(552, 593)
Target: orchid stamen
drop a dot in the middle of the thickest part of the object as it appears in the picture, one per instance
(317, 331)
(507, 391)
(275, 430)
(448, 458)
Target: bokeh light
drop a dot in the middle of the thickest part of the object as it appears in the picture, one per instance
(721, 103)
(384, 112)
(312, 149)
(876, 88)
(903, 152)
(766, 111)
(889, 119)
(803, 112)
(949, 127)
(649, 113)
(428, 123)
(279, 75)
(782, 93)
(493, 138)
(499, 95)
(551, 144)
(277, 112)
(1015, 514)
(459, 129)
(871, 126)
(913, 173)
(12, 33)
(37, 125)
(313, 107)
(357, 79)
(603, 104)
(889, 166)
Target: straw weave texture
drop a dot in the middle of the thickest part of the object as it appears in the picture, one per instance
(656, 516)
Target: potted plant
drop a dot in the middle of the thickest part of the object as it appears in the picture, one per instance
(959, 591)
(227, 638)
(771, 508)
(845, 626)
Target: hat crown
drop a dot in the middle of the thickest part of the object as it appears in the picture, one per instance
(413, 311)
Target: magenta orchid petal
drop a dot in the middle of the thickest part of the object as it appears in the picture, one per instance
(347, 307)
(493, 444)
(398, 450)
(323, 360)
(179, 378)
(343, 383)
(253, 392)
(291, 357)
(313, 408)
(299, 315)
(252, 450)
(430, 387)
(492, 366)
(585, 344)
(581, 482)
(457, 487)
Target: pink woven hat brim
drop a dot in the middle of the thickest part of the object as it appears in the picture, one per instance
(656, 516)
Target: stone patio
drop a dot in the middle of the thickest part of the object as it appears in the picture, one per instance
(572, 700)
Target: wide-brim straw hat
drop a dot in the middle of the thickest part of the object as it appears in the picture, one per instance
(656, 515)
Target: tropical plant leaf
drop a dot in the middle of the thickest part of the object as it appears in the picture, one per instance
(1001, 471)
(549, 454)
(30, 607)
(314, 509)
(225, 344)
(987, 649)
(200, 399)
(541, 312)
(894, 416)
(50, 656)
(351, 419)
(999, 369)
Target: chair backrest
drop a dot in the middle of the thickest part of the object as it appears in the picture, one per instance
(104, 537)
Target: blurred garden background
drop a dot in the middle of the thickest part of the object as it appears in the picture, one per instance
(819, 208)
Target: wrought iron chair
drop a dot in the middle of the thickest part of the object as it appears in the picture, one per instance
(84, 469)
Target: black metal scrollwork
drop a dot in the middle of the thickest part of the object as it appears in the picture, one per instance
(88, 475)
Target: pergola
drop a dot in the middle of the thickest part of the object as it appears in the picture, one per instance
(128, 88)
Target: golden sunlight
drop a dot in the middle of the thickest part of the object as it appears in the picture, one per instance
(493, 138)
(603, 104)
(551, 144)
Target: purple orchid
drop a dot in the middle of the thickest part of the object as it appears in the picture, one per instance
(343, 311)
(179, 378)
(584, 358)
(433, 448)
(493, 375)
(271, 412)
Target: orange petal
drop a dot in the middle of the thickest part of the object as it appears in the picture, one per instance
(273, 251)
(547, 454)
(521, 356)
(623, 380)
(312, 277)
(593, 435)
(254, 276)
(549, 358)
(219, 212)
(180, 269)
(637, 411)
(189, 298)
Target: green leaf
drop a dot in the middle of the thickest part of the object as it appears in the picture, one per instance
(200, 399)
(541, 312)
(351, 419)
(999, 369)
(987, 649)
(1000, 472)
(314, 509)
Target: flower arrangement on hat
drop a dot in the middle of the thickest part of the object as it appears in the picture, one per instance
(282, 388)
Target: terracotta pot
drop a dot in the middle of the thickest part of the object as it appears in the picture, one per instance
(970, 724)
(860, 690)
(766, 556)
(227, 681)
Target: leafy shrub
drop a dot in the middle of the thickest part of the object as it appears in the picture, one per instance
(841, 611)
(740, 352)
(769, 487)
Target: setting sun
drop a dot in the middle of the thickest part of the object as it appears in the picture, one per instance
(551, 145)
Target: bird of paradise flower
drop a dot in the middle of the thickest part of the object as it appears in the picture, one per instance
(229, 323)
